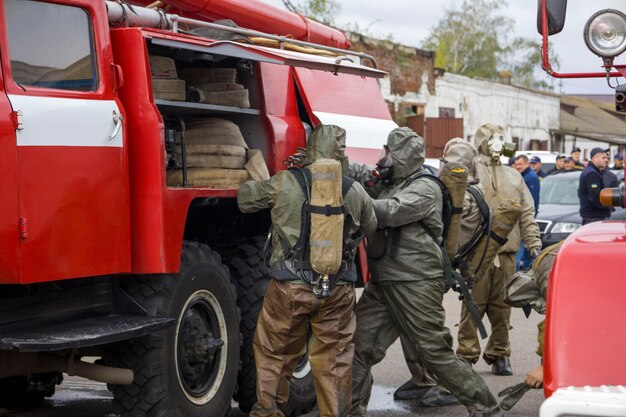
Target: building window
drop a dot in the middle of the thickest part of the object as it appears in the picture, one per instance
(446, 112)
(410, 109)
(51, 46)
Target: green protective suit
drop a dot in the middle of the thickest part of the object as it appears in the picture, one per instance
(500, 183)
(461, 151)
(290, 306)
(531, 287)
(405, 294)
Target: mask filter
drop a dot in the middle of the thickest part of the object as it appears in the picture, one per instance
(509, 149)
(384, 169)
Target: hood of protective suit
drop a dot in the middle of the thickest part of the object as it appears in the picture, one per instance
(327, 141)
(483, 134)
(461, 151)
(407, 150)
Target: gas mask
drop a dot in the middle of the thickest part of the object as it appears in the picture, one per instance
(384, 169)
(495, 145)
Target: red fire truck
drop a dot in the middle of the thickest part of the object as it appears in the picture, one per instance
(102, 254)
(584, 369)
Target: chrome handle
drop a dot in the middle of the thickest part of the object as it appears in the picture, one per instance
(117, 121)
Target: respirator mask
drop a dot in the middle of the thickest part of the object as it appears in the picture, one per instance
(498, 146)
(383, 173)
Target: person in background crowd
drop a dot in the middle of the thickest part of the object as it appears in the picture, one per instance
(535, 165)
(589, 186)
(575, 154)
(522, 165)
(511, 162)
(619, 162)
(559, 165)
(570, 165)
(532, 182)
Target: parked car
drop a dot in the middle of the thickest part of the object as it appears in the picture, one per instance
(558, 206)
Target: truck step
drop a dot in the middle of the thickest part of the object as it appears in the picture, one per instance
(92, 331)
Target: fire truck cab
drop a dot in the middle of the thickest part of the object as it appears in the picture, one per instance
(110, 246)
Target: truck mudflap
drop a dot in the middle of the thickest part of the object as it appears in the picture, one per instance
(605, 401)
(90, 331)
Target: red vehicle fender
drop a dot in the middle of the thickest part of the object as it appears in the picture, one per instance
(584, 337)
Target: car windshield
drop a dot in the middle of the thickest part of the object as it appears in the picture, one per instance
(563, 190)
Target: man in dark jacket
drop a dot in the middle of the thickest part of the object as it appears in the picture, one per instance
(559, 165)
(575, 155)
(535, 165)
(590, 184)
(530, 178)
(619, 162)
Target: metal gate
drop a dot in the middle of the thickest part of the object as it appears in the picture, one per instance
(436, 132)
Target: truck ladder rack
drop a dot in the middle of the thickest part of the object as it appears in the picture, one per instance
(136, 16)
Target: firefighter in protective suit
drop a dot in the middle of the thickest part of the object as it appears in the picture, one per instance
(405, 293)
(529, 289)
(290, 304)
(422, 386)
(500, 183)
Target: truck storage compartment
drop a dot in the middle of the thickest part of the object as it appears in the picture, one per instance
(214, 154)
(213, 130)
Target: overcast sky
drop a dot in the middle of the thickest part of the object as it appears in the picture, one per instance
(409, 22)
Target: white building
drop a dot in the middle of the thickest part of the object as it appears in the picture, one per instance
(587, 124)
(464, 103)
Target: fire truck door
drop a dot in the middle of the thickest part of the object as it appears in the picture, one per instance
(352, 102)
(9, 247)
(72, 170)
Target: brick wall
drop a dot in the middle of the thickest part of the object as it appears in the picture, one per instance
(405, 64)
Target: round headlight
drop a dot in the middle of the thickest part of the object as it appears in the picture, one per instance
(605, 33)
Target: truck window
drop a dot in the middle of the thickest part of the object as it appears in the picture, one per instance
(50, 45)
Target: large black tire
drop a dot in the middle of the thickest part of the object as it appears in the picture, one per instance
(28, 390)
(189, 370)
(250, 274)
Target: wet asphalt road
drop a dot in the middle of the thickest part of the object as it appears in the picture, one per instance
(77, 397)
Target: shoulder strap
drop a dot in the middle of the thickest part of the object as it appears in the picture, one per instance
(346, 184)
(303, 176)
(447, 211)
(447, 208)
(483, 228)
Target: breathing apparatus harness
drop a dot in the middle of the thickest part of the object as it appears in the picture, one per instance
(297, 258)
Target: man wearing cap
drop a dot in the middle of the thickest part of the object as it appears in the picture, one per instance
(575, 154)
(535, 165)
(590, 184)
(559, 165)
(619, 162)
(570, 165)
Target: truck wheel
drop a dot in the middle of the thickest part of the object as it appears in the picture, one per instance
(190, 369)
(250, 274)
(25, 390)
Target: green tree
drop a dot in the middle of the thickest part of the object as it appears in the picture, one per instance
(473, 40)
